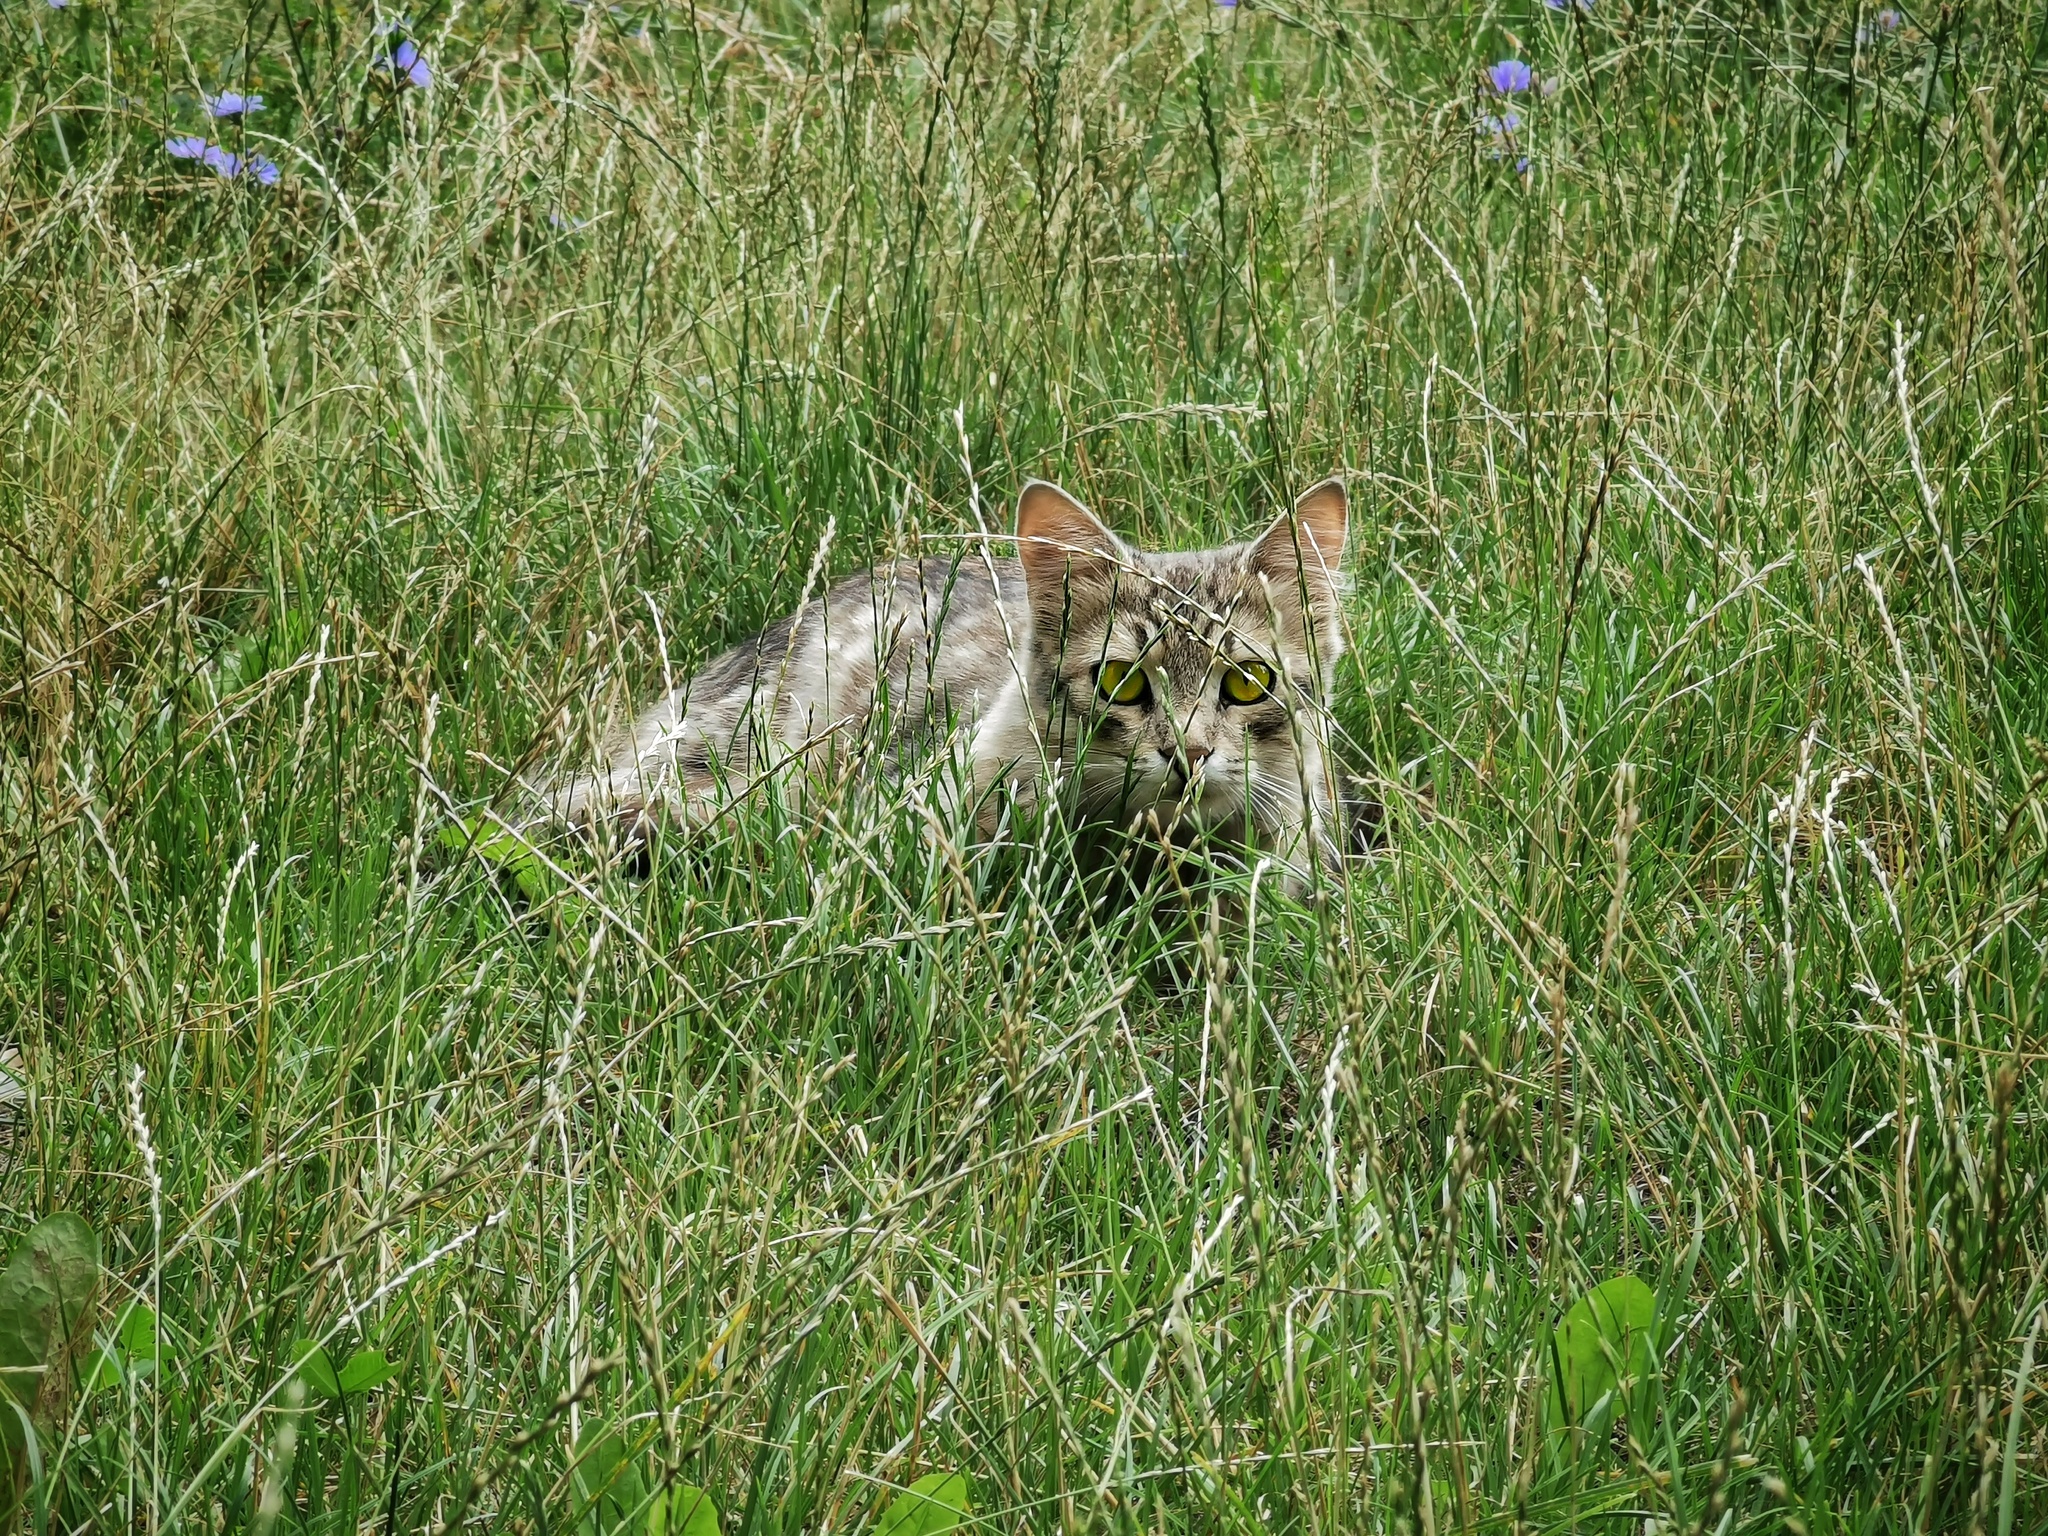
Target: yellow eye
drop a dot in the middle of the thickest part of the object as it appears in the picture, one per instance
(1120, 682)
(1247, 683)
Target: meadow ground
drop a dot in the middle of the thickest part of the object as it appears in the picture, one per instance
(371, 446)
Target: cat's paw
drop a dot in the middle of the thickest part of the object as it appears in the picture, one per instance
(1363, 816)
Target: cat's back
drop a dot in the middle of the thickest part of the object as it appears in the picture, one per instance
(919, 635)
(927, 640)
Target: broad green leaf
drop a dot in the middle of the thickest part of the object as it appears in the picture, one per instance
(682, 1511)
(47, 1293)
(1605, 1342)
(141, 1336)
(574, 913)
(49, 1283)
(508, 851)
(611, 1495)
(106, 1370)
(365, 1369)
(495, 845)
(314, 1368)
(487, 840)
(931, 1506)
(132, 1354)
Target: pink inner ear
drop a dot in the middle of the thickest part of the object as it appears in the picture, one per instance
(1323, 513)
(1315, 528)
(1056, 533)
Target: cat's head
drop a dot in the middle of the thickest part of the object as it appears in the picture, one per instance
(1191, 684)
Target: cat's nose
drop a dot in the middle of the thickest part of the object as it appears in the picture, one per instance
(1192, 757)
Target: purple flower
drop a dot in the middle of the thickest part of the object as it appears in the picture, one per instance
(57, 5)
(1522, 165)
(1226, 5)
(408, 61)
(1509, 76)
(388, 27)
(1565, 5)
(1506, 123)
(234, 104)
(1888, 20)
(221, 160)
(408, 64)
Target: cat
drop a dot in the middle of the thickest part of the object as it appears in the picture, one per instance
(1179, 691)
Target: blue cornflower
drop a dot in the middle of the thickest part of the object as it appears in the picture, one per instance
(234, 104)
(1888, 20)
(408, 64)
(221, 160)
(58, 5)
(1565, 5)
(1509, 76)
(1499, 128)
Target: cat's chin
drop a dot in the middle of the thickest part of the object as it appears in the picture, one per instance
(1139, 803)
(1213, 812)
(1183, 817)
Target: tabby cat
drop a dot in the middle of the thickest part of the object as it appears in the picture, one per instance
(1182, 690)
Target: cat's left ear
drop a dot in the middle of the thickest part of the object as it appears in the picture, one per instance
(1304, 552)
(1070, 559)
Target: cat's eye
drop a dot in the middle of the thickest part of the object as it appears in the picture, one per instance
(1247, 682)
(1120, 682)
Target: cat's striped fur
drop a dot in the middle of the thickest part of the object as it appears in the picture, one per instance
(1003, 660)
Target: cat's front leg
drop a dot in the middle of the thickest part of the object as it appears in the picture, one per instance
(1301, 838)
(1007, 766)
(1300, 870)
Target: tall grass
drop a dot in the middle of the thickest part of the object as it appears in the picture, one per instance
(1699, 651)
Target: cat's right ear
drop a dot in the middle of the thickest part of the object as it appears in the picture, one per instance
(1067, 554)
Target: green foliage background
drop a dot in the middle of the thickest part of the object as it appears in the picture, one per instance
(1699, 649)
